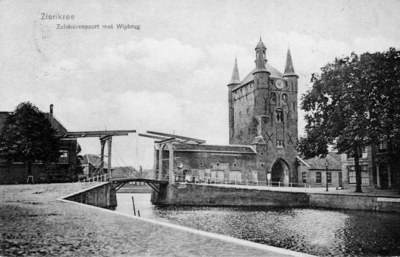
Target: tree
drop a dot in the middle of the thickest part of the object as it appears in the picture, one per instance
(28, 136)
(353, 104)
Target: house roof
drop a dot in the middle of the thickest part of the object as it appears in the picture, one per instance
(93, 159)
(318, 163)
(54, 122)
(238, 149)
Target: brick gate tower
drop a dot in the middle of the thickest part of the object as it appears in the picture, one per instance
(263, 113)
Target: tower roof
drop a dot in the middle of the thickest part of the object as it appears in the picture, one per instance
(260, 45)
(250, 77)
(235, 75)
(289, 70)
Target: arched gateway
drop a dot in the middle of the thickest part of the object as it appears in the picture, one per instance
(280, 173)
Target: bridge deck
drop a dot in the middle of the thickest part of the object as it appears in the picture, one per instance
(126, 180)
(153, 183)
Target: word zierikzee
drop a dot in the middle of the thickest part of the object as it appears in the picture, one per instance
(127, 26)
(56, 16)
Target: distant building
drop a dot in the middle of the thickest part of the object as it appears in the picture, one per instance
(376, 171)
(314, 172)
(63, 170)
(91, 164)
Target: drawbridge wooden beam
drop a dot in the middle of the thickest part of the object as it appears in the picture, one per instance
(105, 133)
(200, 141)
(151, 136)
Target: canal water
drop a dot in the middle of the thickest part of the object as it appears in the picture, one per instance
(314, 231)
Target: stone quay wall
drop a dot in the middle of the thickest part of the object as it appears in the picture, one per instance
(103, 195)
(202, 195)
(355, 202)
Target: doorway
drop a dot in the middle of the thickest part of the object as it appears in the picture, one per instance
(280, 173)
(383, 175)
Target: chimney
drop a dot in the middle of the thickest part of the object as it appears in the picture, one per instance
(51, 110)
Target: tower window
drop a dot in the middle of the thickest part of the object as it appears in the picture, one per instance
(279, 143)
(273, 98)
(284, 98)
(279, 115)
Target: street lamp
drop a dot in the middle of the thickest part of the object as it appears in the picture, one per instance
(326, 173)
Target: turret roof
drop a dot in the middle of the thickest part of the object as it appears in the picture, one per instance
(289, 70)
(235, 75)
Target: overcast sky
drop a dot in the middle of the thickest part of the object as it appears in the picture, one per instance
(171, 75)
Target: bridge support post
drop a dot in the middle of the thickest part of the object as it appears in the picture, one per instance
(103, 144)
(171, 164)
(156, 147)
(160, 159)
(109, 142)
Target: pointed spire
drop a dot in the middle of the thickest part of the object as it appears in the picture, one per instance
(235, 75)
(289, 70)
(260, 54)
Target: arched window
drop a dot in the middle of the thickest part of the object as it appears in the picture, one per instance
(279, 115)
(273, 98)
(285, 98)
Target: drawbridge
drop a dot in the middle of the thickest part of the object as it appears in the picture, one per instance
(163, 139)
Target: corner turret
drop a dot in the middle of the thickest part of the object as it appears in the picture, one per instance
(289, 70)
(235, 81)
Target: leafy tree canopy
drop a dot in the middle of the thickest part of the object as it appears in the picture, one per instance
(354, 103)
(27, 135)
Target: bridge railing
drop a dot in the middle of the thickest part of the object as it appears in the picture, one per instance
(246, 182)
(97, 178)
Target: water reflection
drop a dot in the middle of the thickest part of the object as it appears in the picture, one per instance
(319, 232)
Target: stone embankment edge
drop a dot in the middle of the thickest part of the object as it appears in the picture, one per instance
(190, 230)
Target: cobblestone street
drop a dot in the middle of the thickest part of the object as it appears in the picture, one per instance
(34, 223)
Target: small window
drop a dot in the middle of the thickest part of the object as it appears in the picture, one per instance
(318, 178)
(262, 164)
(294, 106)
(304, 177)
(364, 174)
(234, 164)
(329, 177)
(279, 143)
(382, 146)
(279, 116)
(18, 160)
(63, 159)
